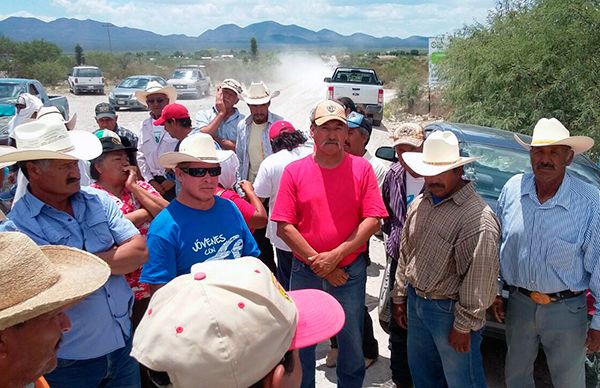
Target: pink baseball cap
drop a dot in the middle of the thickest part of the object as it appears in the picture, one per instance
(172, 111)
(229, 323)
(280, 127)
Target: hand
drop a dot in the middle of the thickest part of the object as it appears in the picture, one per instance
(593, 341)
(399, 313)
(167, 185)
(219, 103)
(461, 342)
(157, 186)
(323, 263)
(497, 309)
(337, 277)
(131, 177)
(246, 186)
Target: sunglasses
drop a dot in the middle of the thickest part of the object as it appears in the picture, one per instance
(155, 100)
(201, 171)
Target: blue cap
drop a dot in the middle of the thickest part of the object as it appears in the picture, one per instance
(358, 120)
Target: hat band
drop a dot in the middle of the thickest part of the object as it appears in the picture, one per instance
(544, 141)
(440, 163)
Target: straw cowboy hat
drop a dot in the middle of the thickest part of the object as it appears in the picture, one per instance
(49, 139)
(440, 154)
(52, 113)
(258, 94)
(40, 279)
(198, 147)
(154, 87)
(548, 132)
(3, 151)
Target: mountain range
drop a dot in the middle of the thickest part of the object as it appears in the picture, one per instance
(94, 35)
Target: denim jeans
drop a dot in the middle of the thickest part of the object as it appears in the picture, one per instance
(350, 363)
(433, 361)
(560, 327)
(284, 267)
(114, 370)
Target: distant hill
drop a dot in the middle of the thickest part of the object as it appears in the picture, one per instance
(93, 35)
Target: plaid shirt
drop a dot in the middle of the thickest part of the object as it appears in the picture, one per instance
(451, 249)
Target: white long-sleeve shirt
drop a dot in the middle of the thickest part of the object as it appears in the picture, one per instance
(153, 142)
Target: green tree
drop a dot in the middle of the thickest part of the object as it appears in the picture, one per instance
(79, 54)
(533, 59)
(253, 49)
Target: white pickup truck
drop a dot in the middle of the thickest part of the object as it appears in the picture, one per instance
(362, 86)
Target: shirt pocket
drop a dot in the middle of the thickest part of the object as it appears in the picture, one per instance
(561, 259)
(98, 237)
(56, 234)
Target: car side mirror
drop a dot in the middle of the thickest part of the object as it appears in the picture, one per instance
(327, 79)
(380, 82)
(386, 153)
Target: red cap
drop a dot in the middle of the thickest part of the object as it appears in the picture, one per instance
(280, 127)
(172, 111)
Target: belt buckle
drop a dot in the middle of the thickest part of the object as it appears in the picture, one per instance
(540, 298)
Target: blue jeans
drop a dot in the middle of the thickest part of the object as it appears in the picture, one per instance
(114, 370)
(561, 328)
(350, 363)
(284, 267)
(433, 361)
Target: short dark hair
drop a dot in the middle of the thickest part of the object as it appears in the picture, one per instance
(187, 122)
(347, 103)
(43, 163)
(287, 140)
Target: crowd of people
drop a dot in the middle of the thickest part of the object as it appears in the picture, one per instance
(222, 250)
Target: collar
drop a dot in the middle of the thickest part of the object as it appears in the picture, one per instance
(561, 198)
(34, 205)
(270, 120)
(367, 155)
(459, 197)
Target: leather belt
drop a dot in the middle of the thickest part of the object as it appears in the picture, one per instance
(430, 295)
(541, 298)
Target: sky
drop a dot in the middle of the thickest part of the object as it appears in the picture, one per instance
(400, 18)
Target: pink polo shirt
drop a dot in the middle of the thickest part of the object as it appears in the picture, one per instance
(327, 205)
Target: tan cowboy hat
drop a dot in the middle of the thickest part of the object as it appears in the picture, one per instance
(37, 280)
(258, 94)
(440, 154)
(548, 132)
(198, 147)
(49, 139)
(154, 87)
(52, 113)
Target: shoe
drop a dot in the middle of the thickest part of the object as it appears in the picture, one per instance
(331, 358)
(369, 362)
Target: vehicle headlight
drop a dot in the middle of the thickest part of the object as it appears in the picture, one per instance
(111, 95)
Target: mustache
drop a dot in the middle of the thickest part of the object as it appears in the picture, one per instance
(435, 186)
(72, 180)
(545, 166)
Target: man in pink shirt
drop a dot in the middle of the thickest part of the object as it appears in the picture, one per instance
(327, 207)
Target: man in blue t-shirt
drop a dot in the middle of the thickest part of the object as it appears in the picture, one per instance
(197, 226)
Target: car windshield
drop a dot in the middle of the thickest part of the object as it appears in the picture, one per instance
(134, 83)
(497, 165)
(183, 74)
(355, 76)
(10, 90)
(88, 73)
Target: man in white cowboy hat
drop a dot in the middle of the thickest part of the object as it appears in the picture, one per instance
(38, 284)
(548, 257)
(447, 269)
(154, 140)
(197, 226)
(221, 121)
(56, 210)
(327, 208)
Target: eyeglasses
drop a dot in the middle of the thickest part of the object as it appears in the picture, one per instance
(201, 171)
(155, 100)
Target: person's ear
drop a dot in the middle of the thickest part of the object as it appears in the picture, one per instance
(275, 378)
(570, 157)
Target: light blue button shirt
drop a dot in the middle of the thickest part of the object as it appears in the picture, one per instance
(100, 323)
(553, 246)
(228, 128)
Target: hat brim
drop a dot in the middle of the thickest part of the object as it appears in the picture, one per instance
(414, 160)
(81, 273)
(106, 115)
(324, 119)
(168, 91)
(172, 159)
(579, 144)
(5, 150)
(260, 101)
(320, 316)
(86, 146)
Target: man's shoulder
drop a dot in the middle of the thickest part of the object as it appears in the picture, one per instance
(585, 190)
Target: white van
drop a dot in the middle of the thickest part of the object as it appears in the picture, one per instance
(86, 79)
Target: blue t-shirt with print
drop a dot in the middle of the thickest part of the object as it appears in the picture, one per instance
(181, 236)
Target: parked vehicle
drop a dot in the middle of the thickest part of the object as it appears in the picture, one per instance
(362, 86)
(123, 95)
(86, 79)
(190, 80)
(501, 157)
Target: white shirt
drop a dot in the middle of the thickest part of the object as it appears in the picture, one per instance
(379, 168)
(414, 186)
(154, 141)
(267, 181)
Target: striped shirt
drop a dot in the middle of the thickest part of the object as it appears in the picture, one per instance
(553, 246)
(393, 192)
(451, 249)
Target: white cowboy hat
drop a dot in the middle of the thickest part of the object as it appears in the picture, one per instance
(3, 151)
(258, 94)
(548, 132)
(49, 139)
(440, 154)
(154, 87)
(52, 113)
(37, 280)
(198, 147)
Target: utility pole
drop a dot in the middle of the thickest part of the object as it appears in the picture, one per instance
(108, 26)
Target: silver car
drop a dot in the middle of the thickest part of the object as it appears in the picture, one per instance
(123, 95)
